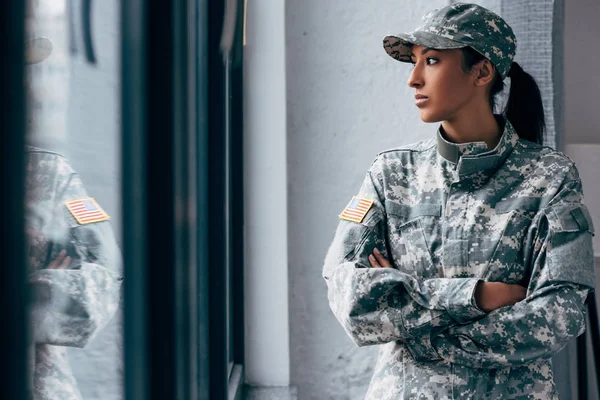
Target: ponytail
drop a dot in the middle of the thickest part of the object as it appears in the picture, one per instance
(524, 108)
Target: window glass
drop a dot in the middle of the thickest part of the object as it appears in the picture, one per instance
(73, 198)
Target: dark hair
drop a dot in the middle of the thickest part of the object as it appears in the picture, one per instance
(524, 108)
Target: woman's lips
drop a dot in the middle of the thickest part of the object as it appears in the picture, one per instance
(420, 99)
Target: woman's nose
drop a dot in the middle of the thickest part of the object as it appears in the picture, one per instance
(415, 79)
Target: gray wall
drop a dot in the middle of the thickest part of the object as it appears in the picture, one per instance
(347, 100)
(582, 119)
(582, 63)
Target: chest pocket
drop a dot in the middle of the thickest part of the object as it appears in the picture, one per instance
(409, 249)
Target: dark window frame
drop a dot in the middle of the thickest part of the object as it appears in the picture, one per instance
(14, 336)
(181, 124)
(235, 203)
(160, 192)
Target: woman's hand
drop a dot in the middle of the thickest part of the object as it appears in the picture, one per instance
(62, 261)
(490, 296)
(377, 260)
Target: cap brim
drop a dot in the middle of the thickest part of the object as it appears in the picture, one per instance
(37, 50)
(400, 46)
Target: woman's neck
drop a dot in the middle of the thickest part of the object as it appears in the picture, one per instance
(478, 127)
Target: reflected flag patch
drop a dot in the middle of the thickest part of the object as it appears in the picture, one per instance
(86, 211)
(356, 210)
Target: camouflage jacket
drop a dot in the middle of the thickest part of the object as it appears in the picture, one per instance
(69, 306)
(447, 216)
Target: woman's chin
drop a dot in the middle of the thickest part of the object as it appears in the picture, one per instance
(429, 116)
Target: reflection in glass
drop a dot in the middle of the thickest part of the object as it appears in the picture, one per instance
(74, 262)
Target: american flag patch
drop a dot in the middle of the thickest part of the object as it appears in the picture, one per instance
(86, 211)
(357, 209)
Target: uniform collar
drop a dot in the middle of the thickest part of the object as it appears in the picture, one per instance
(475, 156)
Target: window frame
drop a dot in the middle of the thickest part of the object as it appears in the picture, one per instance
(159, 64)
(181, 119)
(14, 293)
(234, 201)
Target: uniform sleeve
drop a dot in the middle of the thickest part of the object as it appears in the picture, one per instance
(553, 312)
(71, 305)
(379, 305)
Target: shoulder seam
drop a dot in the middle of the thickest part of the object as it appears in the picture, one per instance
(521, 143)
(551, 151)
(432, 144)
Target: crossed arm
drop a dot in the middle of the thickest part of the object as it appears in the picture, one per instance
(78, 291)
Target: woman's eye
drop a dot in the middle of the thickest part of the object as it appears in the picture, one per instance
(428, 61)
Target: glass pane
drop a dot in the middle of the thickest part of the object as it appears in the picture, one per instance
(228, 293)
(73, 198)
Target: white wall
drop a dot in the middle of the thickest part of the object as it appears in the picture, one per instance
(267, 360)
(347, 100)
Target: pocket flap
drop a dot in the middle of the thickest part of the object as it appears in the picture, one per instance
(570, 218)
(408, 212)
(518, 203)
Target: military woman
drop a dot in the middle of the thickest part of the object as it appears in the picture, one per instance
(467, 257)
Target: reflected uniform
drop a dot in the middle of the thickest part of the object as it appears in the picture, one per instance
(69, 306)
(448, 215)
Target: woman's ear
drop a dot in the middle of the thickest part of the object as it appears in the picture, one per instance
(484, 73)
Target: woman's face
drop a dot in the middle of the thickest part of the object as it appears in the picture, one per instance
(442, 88)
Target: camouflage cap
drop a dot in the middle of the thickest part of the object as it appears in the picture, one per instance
(455, 26)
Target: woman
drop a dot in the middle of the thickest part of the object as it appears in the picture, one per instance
(468, 257)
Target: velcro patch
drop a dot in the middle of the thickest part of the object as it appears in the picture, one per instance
(356, 210)
(86, 211)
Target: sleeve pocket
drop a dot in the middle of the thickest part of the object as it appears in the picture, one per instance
(570, 251)
(570, 218)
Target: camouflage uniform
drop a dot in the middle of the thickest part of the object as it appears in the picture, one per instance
(447, 216)
(69, 305)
